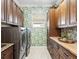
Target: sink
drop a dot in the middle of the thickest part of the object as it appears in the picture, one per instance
(2, 45)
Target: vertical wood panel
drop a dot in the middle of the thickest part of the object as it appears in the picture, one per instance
(73, 12)
(2, 10)
(53, 19)
(9, 11)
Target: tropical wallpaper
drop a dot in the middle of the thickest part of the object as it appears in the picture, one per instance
(70, 32)
(38, 16)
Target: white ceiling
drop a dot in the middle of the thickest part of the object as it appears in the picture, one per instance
(24, 3)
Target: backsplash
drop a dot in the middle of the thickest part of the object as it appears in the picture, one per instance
(70, 33)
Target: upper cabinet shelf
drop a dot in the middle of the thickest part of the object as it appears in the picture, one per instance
(67, 14)
(10, 12)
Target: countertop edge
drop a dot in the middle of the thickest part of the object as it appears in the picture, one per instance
(7, 46)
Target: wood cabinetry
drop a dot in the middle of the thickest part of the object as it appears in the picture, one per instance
(67, 14)
(53, 49)
(58, 52)
(59, 18)
(53, 17)
(63, 53)
(9, 10)
(17, 13)
(73, 12)
(12, 35)
(63, 12)
(7, 54)
(20, 17)
(3, 10)
(14, 13)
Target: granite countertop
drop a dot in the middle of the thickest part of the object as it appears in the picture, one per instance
(70, 47)
(6, 45)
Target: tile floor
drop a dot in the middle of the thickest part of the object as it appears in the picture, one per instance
(39, 52)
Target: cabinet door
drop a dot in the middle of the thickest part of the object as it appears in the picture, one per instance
(73, 56)
(73, 12)
(61, 54)
(14, 14)
(8, 53)
(59, 18)
(9, 11)
(63, 11)
(64, 53)
(22, 19)
(55, 48)
(2, 11)
(8, 56)
(18, 16)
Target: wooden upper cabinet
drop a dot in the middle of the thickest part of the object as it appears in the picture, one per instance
(17, 14)
(20, 17)
(53, 17)
(67, 13)
(59, 18)
(73, 12)
(22, 20)
(3, 10)
(63, 12)
(14, 14)
(9, 11)
(11, 14)
(16, 20)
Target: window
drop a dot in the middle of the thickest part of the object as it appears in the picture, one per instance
(38, 19)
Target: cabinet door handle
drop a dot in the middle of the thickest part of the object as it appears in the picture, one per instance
(66, 54)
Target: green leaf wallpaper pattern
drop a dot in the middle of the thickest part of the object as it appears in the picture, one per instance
(71, 33)
(38, 35)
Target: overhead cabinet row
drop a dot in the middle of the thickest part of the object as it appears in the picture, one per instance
(67, 12)
(11, 13)
(65, 15)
